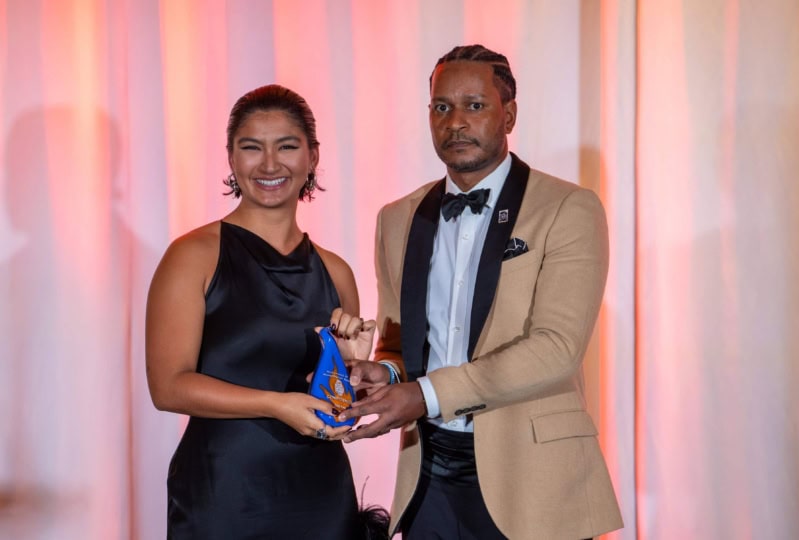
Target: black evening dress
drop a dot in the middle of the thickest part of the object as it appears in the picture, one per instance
(257, 478)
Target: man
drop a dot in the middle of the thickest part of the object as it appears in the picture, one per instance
(486, 306)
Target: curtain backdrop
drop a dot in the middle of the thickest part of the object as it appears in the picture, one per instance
(682, 115)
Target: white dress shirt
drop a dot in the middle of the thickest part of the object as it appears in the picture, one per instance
(450, 288)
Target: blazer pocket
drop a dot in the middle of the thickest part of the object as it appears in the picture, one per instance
(521, 261)
(563, 425)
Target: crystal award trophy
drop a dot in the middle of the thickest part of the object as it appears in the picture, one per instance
(331, 381)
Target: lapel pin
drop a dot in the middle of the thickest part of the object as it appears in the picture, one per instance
(503, 216)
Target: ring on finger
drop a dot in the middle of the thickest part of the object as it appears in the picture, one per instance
(321, 433)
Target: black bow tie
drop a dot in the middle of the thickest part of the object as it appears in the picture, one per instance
(453, 205)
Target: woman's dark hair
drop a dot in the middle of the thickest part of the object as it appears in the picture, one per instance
(274, 97)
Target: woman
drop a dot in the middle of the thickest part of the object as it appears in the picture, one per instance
(230, 341)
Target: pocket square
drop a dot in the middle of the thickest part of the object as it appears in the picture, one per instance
(514, 248)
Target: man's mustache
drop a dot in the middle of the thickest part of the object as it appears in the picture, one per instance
(456, 140)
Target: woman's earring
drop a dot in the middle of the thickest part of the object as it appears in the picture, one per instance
(230, 182)
(310, 182)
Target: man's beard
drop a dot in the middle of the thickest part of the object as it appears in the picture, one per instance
(469, 166)
(465, 166)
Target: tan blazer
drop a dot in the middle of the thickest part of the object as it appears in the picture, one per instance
(540, 468)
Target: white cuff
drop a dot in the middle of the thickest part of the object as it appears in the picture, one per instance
(431, 400)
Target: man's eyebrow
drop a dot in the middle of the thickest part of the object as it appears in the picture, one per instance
(465, 96)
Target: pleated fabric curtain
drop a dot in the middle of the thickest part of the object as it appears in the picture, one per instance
(683, 116)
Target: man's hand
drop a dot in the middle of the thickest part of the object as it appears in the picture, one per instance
(366, 375)
(395, 405)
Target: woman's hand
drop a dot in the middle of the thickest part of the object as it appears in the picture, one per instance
(354, 336)
(297, 411)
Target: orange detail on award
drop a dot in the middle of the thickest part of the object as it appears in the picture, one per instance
(331, 381)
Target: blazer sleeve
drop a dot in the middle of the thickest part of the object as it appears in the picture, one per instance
(389, 346)
(565, 305)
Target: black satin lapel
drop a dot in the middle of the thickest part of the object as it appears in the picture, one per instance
(510, 199)
(415, 274)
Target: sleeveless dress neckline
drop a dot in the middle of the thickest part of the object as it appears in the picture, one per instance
(297, 260)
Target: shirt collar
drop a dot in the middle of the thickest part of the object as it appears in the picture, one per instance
(494, 181)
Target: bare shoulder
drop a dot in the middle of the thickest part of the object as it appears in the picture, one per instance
(336, 266)
(193, 257)
(343, 278)
(201, 238)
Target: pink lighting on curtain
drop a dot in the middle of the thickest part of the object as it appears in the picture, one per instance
(185, 102)
(666, 289)
(113, 134)
(616, 325)
(307, 70)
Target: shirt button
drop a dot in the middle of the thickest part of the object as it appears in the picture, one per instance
(453, 424)
(460, 283)
(466, 236)
(457, 328)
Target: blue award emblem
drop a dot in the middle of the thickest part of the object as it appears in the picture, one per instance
(331, 381)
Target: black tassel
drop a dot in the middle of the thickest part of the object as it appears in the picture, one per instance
(374, 522)
(374, 519)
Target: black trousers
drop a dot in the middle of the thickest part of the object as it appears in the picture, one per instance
(448, 504)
